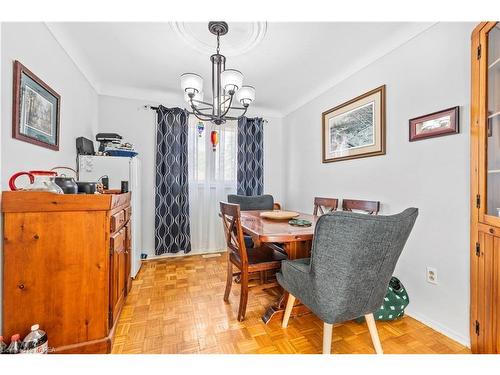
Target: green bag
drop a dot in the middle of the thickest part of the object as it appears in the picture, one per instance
(395, 302)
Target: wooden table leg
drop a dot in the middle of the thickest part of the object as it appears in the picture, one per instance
(294, 250)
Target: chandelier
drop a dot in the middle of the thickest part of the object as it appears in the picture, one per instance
(227, 87)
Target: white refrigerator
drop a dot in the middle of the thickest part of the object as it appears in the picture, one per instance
(118, 169)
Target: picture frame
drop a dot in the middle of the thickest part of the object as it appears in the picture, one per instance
(356, 128)
(436, 124)
(35, 110)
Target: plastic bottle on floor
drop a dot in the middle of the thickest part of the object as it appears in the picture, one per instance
(35, 342)
(3, 345)
(15, 345)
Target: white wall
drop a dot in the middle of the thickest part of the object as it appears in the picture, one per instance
(427, 74)
(35, 47)
(128, 118)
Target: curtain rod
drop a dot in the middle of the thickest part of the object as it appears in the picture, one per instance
(156, 108)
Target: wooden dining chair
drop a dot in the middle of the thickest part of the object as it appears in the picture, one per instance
(253, 203)
(370, 207)
(347, 277)
(322, 205)
(247, 260)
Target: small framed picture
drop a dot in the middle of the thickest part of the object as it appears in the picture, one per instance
(355, 129)
(435, 124)
(35, 113)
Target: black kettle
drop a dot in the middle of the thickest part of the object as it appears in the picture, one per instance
(67, 184)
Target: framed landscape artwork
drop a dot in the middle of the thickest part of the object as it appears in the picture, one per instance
(355, 129)
(35, 112)
(436, 124)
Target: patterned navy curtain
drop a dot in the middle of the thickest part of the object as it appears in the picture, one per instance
(172, 232)
(250, 156)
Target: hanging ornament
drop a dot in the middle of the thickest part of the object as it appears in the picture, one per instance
(200, 126)
(214, 138)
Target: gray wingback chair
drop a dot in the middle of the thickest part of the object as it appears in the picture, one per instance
(352, 260)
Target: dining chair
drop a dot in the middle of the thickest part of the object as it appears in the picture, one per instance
(323, 205)
(253, 203)
(370, 207)
(247, 260)
(352, 260)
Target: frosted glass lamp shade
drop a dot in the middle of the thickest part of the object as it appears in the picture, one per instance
(197, 96)
(231, 80)
(246, 95)
(191, 83)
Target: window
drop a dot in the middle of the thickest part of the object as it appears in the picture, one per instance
(207, 166)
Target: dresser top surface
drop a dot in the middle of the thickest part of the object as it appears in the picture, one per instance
(31, 201)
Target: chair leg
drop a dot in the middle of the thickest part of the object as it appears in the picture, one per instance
(327, 338)
(288, 310)
(370, 321)
(229, 280)
(243, 295)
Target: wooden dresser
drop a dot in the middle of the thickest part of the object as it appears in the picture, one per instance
(66, 266)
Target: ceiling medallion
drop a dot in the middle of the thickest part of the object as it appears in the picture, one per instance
(254, 33)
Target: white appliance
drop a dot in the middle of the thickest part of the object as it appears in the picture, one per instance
(118, 169)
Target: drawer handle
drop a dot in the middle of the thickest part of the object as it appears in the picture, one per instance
(21, 286)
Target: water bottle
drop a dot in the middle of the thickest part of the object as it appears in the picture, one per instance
(15, 345)
(35, 342)
(3, 345)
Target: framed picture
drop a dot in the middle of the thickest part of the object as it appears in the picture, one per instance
(355, 129)
(436, 124)
(35, 112)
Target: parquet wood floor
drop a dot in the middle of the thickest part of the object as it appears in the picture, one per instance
(175, 306)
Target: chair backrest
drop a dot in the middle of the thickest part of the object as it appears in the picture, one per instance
(233, 231)
(370, 207)
(353, 258)
(258, 202)
(322, 204)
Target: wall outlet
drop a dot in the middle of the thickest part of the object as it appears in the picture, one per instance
(431, 275)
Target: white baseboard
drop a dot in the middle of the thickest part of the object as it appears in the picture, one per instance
(440, 328)
(181, 254)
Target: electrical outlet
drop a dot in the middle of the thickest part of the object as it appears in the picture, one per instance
(431, 275)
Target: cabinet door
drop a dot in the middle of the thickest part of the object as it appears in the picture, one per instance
(488, 57)
(117, 273)
(485, 332)
(128, 256)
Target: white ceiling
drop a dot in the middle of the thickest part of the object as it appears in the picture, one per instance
(288, 63)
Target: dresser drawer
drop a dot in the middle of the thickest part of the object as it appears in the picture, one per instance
(128, 213)
(117, 221)
(117, 241)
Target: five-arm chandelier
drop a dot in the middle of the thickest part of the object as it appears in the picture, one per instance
(227, 87)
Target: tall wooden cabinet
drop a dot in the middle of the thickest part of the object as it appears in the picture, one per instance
(66, 266)
(485, 189)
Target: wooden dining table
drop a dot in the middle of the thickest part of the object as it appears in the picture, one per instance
(295, 241)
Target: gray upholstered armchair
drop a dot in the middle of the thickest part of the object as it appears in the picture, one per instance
(353, 258)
